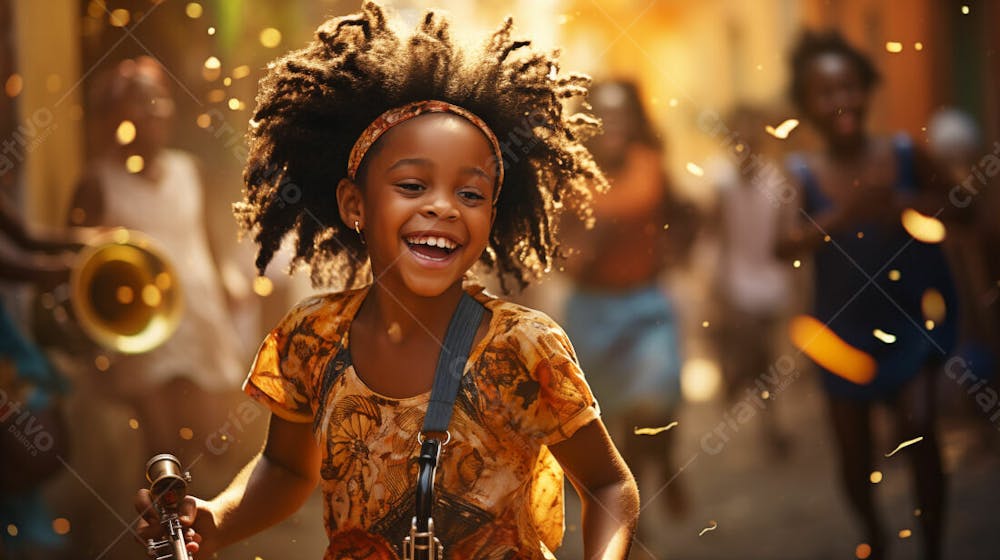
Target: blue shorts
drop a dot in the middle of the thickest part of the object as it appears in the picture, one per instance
(629, 348)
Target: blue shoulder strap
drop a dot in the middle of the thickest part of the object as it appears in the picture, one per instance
(906, 169)
(814, 198)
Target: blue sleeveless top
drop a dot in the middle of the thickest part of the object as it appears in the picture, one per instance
(854, 294)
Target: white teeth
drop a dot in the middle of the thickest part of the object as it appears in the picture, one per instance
(433, 242)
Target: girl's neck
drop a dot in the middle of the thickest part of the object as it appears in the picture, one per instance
(403, 316)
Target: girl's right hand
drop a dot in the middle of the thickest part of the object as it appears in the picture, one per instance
(195, 514)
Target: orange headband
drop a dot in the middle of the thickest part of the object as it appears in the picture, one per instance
(399, 115)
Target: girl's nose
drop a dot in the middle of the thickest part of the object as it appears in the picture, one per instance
(441, 208)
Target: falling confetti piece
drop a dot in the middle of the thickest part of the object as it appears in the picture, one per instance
(929, 325)
(262, 286)
(965, 10)
(241, 72)
(861, 235)
(875, 477)
(125, 134)
(204, 120)
(917, 512)
(14, 85)
(134, 164)
(712, 525)
(395, 332)
(782, 130)
(133, 423)
(827, 349)
(705, 324)
(186, 433)
(894, 275)
(193, 10)
(894, 46)
(923, 228)
(765, 395)
(918, 46)
(694, 169)
(862, 551)
(119, 17)
(905, 444)
(270, 37)
(60, 525)
(905, 534)
(652, 431)
(211, 31)
(12, 530)
(884, 336)
(933, 306)
(826, 238)
(213, 63)
(102, 363)
(796, 263)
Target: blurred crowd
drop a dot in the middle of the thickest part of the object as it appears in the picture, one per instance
(863, 257)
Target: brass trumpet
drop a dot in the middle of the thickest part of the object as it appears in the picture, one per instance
(123, 294)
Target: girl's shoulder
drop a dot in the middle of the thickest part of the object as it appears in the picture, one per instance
(326, 312)
(527, 331)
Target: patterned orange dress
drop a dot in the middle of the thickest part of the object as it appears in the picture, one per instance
(498, 490)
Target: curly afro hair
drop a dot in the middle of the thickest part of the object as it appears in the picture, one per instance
(314, 103)
(812, 45)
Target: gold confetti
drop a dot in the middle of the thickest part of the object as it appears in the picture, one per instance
(884, 336)
(965, 10)
(186, 433)
(262, 286)
(151, 295)
(125, 295)
(102, 363)
(905, 534)
(782, 130)
(395, 333)
(861, 235)
(918, 46)
(234, 104)
(213, 63)
(60, 525)
(14, 85)
(917, 512)
(796, 263)
(119, 18)
(933, 305)
(894, 275)
(862, 551)
(211, 31)
(125, 134)
(827, 349)
(241, 71)
(204, 120)
(905, 444)
(929, 324)
(193, 10)
(270, 37)
(712, 525)
(133, 423)
(894, 46)
(923, 228)
(694, 169)
(12, 530)
(826, 238)
(875, 477)
(705, 324)
(135, 164)
(652, 431)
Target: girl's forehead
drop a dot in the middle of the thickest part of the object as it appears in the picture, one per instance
(443, 134)
(830, 64)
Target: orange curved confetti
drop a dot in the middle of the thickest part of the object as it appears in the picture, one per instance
(905, 444)
(782, 130)
(711, 527)
(830, 351)
(922, 228)
(652, 431)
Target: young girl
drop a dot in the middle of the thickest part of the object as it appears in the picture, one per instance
(870, 274)
(405, 159)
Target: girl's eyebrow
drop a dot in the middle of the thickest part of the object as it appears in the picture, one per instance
(423, 162)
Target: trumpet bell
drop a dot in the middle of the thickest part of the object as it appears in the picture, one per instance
(124, 293)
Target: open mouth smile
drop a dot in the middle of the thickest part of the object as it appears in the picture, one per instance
(432, 248)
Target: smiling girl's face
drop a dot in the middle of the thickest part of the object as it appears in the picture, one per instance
(426, 204)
